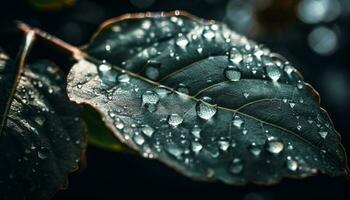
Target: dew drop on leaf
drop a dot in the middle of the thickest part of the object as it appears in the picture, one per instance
(150, 97)
(199, 50)
(196, 147)
(254, 149)
(204, 110)
(182, 41)
(237, 121)
(274, 145)
(292, 164)
(224, 145)
(246, 95)
(162, 91)
(175, 119)
(273, 72)
(323, 134)
(139, 139)
(147, 130)
(119, 124)
(174, 150)
(235, 56)
(124, 78)
(41, 155)
(152, 72)
(300, 85)
(196, 131)
(208, 34)
(182, 88)
(232, 74)
(236, 166)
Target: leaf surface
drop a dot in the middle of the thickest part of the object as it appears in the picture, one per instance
(42, 136)
(207, 101)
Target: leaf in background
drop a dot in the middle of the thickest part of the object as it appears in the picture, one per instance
(99, 134)
(50, 5)
(42, 137)
(205, 100)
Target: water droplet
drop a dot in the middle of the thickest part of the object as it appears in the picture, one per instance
(236, 166)
(224, 145)
(323, 134)
(182, 41)
(273, 72)
(232, 74)
(40, 120)
(152, 69)
(274, 145)
(199, 49)
(104, 68)
(162, 91)
(300, 85)
(291, 104)
(249, 61)
(174, 150)
(205, 110)
(41, 155)
(50, 90)
(196, 131)
(254, 149)
(301, 100)
(150, 97)
(175, 119)
(246, 95)
(196, 147)
(139, 139)
(147, 130)
(291, 164)
(182, 88)
(124, 78)
(107, 73)
(254, 70)
(237, 121)
(235, 56)
(289, 69)
(151, 107)
(208, 34)
(119, 124)
(146, 24)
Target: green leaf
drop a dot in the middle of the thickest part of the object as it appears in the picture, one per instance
(205, 100)
(42, 137)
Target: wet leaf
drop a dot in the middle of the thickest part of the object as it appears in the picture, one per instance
(42, 137)
(205, 100)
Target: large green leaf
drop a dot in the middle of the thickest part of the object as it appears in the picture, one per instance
(205, 100)
(42, 137)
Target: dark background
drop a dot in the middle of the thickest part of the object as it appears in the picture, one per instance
(285, 26)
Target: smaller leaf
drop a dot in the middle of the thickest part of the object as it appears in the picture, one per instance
(42, 137)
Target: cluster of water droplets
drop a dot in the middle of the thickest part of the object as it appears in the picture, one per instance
(173, 135)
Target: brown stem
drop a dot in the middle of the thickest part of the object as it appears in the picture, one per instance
(74, 51)
(20, 64)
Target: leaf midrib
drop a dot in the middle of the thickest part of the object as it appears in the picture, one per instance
(19, 63)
